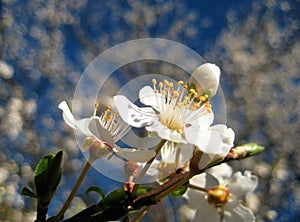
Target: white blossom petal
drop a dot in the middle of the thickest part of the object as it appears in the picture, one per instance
(195, 198)
(166, 133)
(206, 78)
(98, 131)
(67, 114)
(221, 172)
(204, 180)
(206, 212)
(135, 155)
(186, 153)
(236, 212)
(242, 184)
(149, 98)
(133, 115)
(200, 118)
(215, 140)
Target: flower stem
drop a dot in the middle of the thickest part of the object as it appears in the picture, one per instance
(198, 188)
(73, 192)
(147, 166)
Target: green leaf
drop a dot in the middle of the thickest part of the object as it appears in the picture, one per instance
(179, 191)
(143, 190)
(97, 190)
(40, 175)
(47, 176)
(54, 173)
(114, 197)
(27, 192)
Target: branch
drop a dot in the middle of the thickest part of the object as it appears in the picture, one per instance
(99, 212)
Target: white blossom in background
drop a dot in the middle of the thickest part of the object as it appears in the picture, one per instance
(220, 198)
(171, 158)
(105, 130)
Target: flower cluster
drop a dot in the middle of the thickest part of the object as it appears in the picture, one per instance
(181, 115)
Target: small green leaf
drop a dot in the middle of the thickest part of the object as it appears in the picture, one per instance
(40, 175)
(55, 173)
(143, 190)
(179, 191)
(97, 190)
(47, 176)
(27, 192)
(114, 197)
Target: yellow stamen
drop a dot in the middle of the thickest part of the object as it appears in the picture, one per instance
(161, 85)
(207, 105)
(108, 117)
(197, 105)
(166, 82)
(175, 94)
(202, 99)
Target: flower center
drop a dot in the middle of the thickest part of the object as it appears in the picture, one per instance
(171, 118)
(218, 196)
(178, 103)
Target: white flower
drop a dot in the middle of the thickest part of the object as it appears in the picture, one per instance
(107, 130)
(172, 110)
(178, 114)
(221, 201)
(215, 142)
(171, 158)
(217, 139)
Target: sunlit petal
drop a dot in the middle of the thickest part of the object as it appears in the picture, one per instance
(133, 115)
(242, 184)
(149, 98)
(236, 212)
(216, 140)
(67, 114)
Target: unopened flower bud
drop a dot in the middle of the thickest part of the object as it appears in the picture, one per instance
(205, 79)
(246, 150)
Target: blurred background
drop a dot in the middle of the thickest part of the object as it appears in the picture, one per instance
(46, 45)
